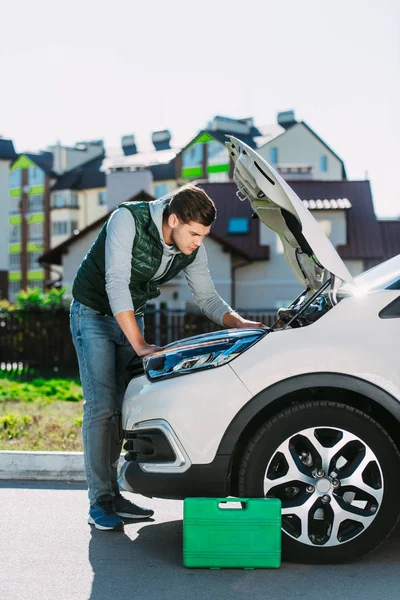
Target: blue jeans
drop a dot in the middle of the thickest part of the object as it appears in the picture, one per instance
(103, 355)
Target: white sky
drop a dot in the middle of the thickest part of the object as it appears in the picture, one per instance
(88, 70)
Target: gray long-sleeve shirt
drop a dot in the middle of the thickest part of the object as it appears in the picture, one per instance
(121, 231)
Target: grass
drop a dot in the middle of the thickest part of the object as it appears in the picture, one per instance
(40, 415)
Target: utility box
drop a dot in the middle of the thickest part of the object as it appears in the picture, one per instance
(232, 532)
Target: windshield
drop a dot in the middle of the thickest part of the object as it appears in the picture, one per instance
(383, 276)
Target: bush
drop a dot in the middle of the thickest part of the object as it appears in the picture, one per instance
(34, 298)
(11, 425)
(40, 390)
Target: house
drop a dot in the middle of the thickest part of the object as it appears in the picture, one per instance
(206, 156)
(297, 152)
(31, 230)
(7, 156)
(246, 259)
(29, 219)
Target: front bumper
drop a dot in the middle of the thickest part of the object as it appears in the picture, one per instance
(210, 480)
(158, 466)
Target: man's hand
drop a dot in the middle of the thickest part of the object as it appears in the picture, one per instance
(147, 350)
(245, 323)
(127, 321)
(233, 319)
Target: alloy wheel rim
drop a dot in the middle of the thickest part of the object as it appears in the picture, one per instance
(330, 483)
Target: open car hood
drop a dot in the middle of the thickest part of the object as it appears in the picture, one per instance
(310, 254)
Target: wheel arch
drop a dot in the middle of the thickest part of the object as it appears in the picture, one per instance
(347, 389)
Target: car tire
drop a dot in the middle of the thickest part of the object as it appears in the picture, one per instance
(339, 436)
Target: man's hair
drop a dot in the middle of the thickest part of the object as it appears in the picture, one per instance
(191, 203)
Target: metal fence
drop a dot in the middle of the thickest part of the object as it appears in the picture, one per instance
(39, 342)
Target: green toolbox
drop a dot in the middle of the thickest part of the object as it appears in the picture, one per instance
(232, 532)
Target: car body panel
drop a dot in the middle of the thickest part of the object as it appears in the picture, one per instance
(253, 174)
(195, 406)
(351, 338)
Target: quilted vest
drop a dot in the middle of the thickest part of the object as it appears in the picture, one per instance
(89, 284)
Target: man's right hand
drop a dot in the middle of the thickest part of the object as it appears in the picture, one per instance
(147, 350)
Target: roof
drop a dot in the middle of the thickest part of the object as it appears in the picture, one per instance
(390, 233)
(44, 160)
(235, 245)
(84, 177)
(7, 151)
(276, 135)
(116, 159)
(164, 171)
(327, 204)
(326, 146)
(228, 206)
(363, 231)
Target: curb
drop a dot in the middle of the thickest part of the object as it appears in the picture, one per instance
(36, 466)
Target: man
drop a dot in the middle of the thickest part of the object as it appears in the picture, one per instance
(142, 245)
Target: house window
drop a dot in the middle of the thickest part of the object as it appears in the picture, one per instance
(33, 263)
(15, 205)
(102, 198)
(36, 176)
(238, 226)
(192, 161)
(323, 163)
(66, 198)
(15, 178)
(35, 203)
(14, 287)
(273, 156)
(35, 283)
(160, 190)
(64, 227)
(59, 228)
(15, 233)
(35, 232)
(15, 262)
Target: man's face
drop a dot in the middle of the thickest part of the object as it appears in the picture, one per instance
(187, 236)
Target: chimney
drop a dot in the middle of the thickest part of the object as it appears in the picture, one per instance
(286, 119)
(129, 145)
(161, 139)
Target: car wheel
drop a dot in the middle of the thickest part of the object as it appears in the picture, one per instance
(337, 473)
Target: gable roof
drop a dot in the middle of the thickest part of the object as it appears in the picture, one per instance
(229, 243)
(206, 135)
(7, 151)
(44, 160)
(294, 124)
(84, 177)
(363, 229)
(326, 146)
(164, 171)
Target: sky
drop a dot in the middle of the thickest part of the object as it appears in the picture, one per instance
(99, 70)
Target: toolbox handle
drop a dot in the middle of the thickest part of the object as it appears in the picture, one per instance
(239, 503)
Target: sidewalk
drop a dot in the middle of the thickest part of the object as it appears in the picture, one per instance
(47, 466)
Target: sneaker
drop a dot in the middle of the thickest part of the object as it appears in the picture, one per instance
(103, 516)
(129, 510)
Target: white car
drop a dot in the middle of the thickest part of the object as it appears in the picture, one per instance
(307, 411)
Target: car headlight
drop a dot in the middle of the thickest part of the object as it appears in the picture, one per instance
(200, 352)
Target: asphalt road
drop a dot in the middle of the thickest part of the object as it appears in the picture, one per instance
(47, 551)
